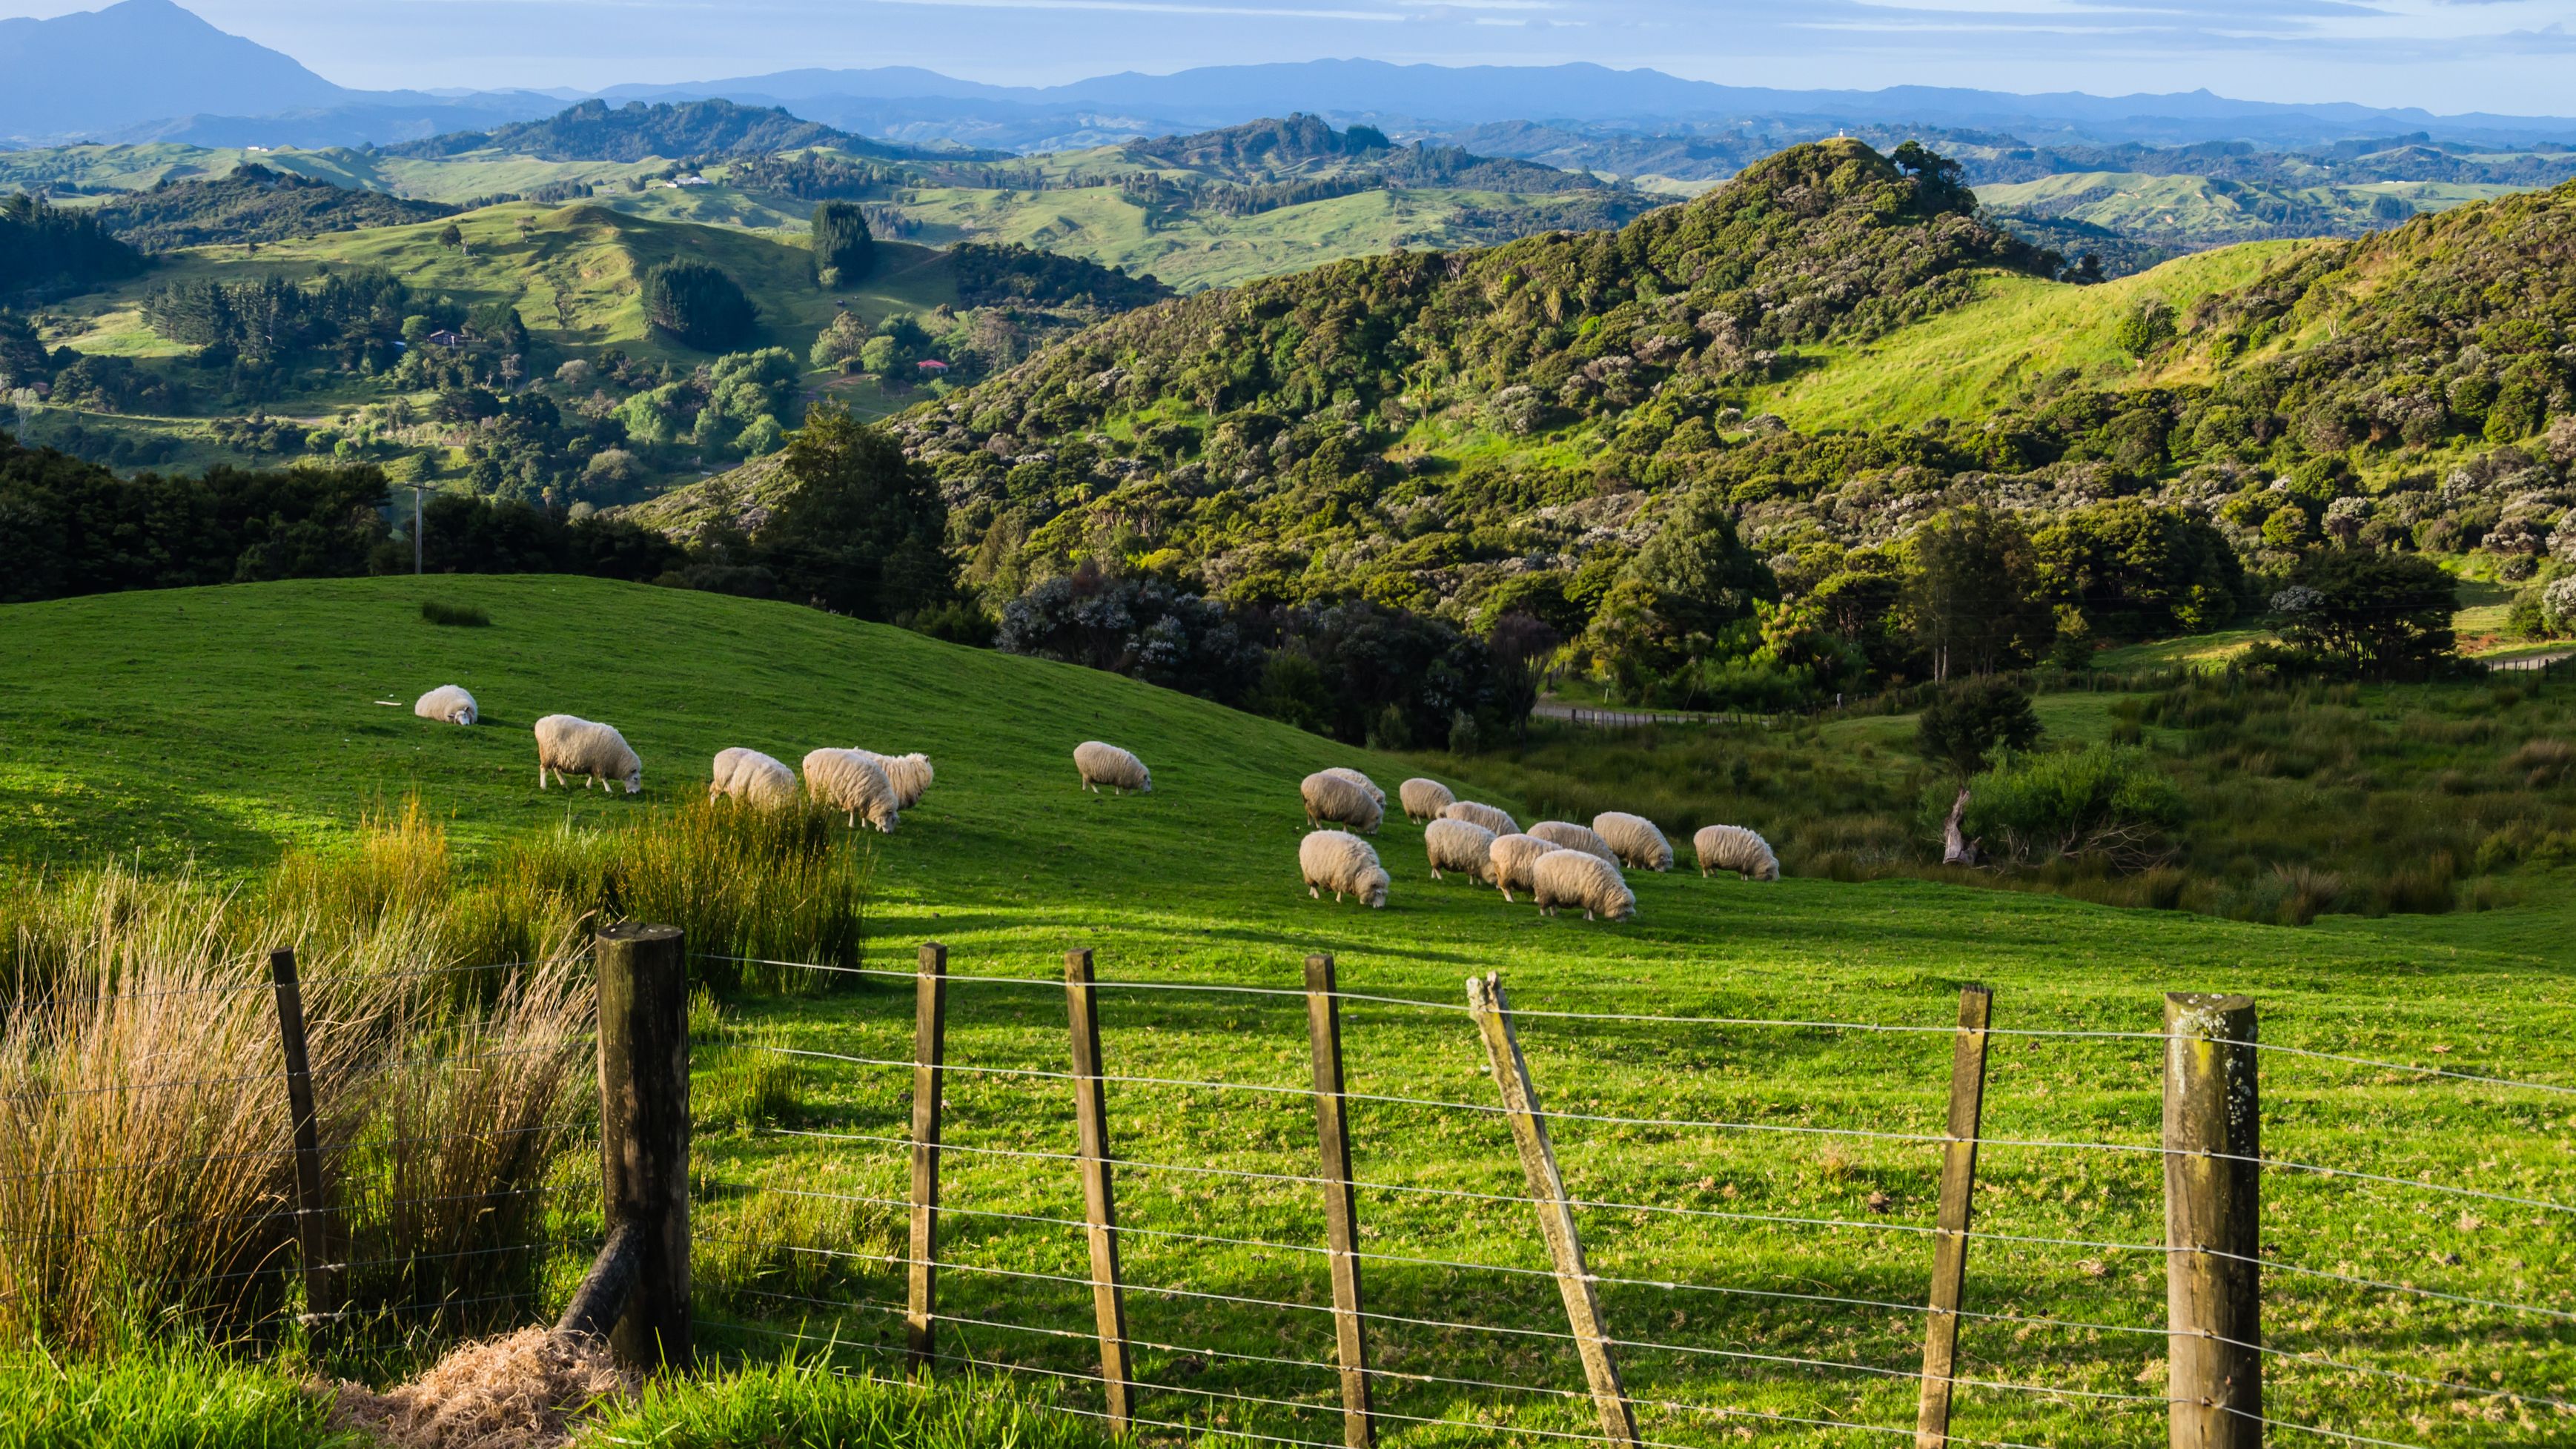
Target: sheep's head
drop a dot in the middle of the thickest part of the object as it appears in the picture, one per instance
(885, 818)
(1373, 889)
(1148, 787)
(635, 781)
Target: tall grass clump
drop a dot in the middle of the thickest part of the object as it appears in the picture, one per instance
(455, 616)
(813, 1401)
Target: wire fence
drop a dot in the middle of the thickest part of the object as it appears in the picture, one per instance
(1800, 1306)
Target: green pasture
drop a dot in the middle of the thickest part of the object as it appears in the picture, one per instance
(220, 726)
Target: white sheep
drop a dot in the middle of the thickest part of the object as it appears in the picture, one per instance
(1484, 815)
(909, 774)
(1331, 798)
(1340, 862)
(448, 702)
(850, 781)
(1424, 799)
(1574, 837)
(1111, 766)
(1634, 839)
(1460, 846)
(1512, 856)
(1732, 847)
(753, 778)
(1345, 772)
(596, 752)
(1573, 878)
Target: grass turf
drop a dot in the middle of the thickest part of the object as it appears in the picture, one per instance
(228, 723)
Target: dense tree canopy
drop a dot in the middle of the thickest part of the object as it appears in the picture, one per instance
(698, 305)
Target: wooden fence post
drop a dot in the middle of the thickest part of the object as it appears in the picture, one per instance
(1555, 1211)
(2213, 1223)
(1099, 1197)
(1958, 1200)
(316, 1236)
(644, 1132)
(929, 1064)
(1341, 1210)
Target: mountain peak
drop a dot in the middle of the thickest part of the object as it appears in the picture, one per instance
(140, 60)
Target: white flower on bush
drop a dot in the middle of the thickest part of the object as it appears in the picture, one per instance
(2562, 543)
(2296, 599)
(2558, 604)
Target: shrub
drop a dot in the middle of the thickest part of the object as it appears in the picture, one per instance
(2109, 801)
(455, 616)
(1964, 727)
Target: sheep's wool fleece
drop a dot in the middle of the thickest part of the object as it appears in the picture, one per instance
(1343, 864)
(1345, 772)
(1331, 797)
(850, 782)
(1513, 855)
(448, 703)
(1732, 847)
(576, 746)
(1425, 799)
(1487, 816)
(1563, 878)
(1457, 845)
(1109, 765)
(751, 776)
(518, 1392)
(1634, 839)
(908, 774)
(1574, 837)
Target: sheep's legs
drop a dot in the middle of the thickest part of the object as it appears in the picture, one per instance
(1313, 894)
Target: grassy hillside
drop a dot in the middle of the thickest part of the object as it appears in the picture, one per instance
(2205, 211)
(271, 734)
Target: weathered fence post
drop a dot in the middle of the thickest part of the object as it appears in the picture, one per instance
(315, 1237)
(1950, 1238)
(1341, 1211)
(929, 1061)
(1555, 1209)
(2213, 1224)
(1099, 1196)
(644, 1132)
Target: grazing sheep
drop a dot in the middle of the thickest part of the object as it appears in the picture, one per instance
(1732, 847)
(448, 702)
(849, 781)
(909, 774)
(1484, 815)
(1574, 837)
(1512, 856)
(1340, 862)
(1111, 766)
(1425, 799)
(753, 778)
(1457, 845)
(1634, 839)
(596, 752)
(1572, 878)
(1330, 798)
(1345, 772)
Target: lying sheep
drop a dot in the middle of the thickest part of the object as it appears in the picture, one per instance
(1340, 862)
(849, 781)
(1345, 772)
(1563, 878)
(1512, 856)
(448, 702)
(1111, 766)
(909, 774)
(1732, 847)
(1634, 839)
(1425, 799)
(753, 778)
(1331, 799)
(1574, 837)
(1457, 845)
(596, 752)
(1484, 815)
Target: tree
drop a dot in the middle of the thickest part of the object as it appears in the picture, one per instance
(1701, 575)
(1970, 588)
(1966, 725)
(451, 235)
(2376, 615)
(844, 249)
(2144, 328)
(698, 305)
(861, 531)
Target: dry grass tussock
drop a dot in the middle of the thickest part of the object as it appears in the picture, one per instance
(519, 1392)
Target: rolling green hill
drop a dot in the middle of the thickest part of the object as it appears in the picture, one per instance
(2197, 212)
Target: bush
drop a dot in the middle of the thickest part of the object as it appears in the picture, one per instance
(698, 305)
(459, 616)
(2107, 801)
(1963, 728)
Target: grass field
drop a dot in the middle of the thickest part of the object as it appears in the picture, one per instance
(224, 725)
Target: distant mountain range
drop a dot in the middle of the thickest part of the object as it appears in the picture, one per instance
(151, 70)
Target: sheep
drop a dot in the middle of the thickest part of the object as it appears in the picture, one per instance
(850, 781)
(1331, 798)
(753, 778)
(1340, 862)
(1458, 845)
(1484, 815)
(1732, 847)
(1111, 766)
(1574, 837)
(1634, 839)
(1512, 856)
(448, 702)
(1574, 878)
(1345, 772)
(1425, 799)
(908, 774)
(596, 752)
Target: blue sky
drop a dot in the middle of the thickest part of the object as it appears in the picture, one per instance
(2446, 55)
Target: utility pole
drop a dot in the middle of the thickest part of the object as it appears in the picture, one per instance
(415, 530)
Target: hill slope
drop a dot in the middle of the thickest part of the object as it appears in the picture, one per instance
(253, 204)
(137, 60)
